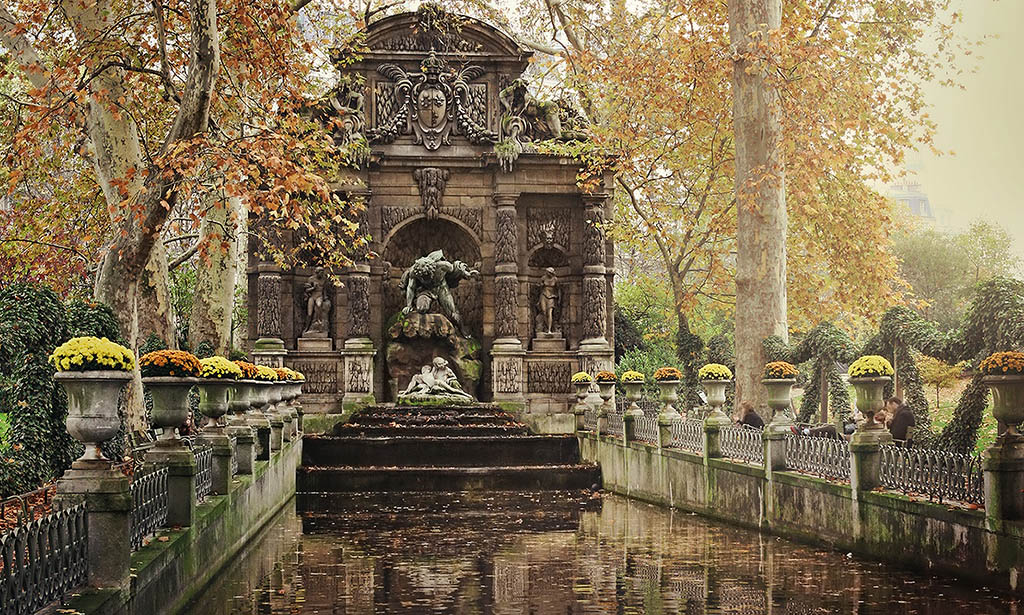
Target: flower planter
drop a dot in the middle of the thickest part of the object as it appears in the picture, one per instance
(606, 390)
(275, 395)
(213, 399)
(715, 392)
(669, 392)
(870, 397)
(170, 403)
(634, 391)
(92, 407)
(1007, 400)
(780, 399)
(260, 394)
(241, 396)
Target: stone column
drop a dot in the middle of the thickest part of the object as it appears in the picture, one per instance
(181, 481)
(712, 435)
(223, 447)
(245, 446)
(595, 284)
(358, 352)
(866, 458)
(1003, 464)
(107, 495)
(269, 347)
(775, 449)
(507, 350)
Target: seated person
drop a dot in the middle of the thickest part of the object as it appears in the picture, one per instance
(748, 416)
(900, 419)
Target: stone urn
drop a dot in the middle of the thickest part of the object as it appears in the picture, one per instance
(780, 400)
(669, 392)
(715, 392)
(634, 390)
(259, 394)
(275, 395)
(580, 409)
(606, 390)
(170, 403)
(1007, 401)
(92, 407)
(870, 397)
(214, 398)
(241, 397)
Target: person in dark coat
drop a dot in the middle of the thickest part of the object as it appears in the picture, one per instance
(901, 419)
(749, 416)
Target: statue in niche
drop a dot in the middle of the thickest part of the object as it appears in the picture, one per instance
(431, 278)
(318, 304)
(548, 303)
(436, 379)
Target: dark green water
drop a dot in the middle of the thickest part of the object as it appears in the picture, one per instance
(623, 557)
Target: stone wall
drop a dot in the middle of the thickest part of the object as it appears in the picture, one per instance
(167, 575)
(887, 526)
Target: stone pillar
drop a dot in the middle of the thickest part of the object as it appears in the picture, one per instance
(269, 347)
(712, 433)
(107, 495)
(629, 418)
(507, 350)
(245, 446)
(1003, 464)
(866, 458)
(775, 450)
(181, 481)
(358, 352)
(223, 447)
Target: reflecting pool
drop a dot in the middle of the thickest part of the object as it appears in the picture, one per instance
(609, 555)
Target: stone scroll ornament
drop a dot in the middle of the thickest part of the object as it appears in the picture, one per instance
(438, 102)
(431, 181)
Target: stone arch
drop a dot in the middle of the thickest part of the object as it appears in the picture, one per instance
(418, 236)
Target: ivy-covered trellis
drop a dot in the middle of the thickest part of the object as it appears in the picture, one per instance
(994, 322)
(823, 347)
(34, 321)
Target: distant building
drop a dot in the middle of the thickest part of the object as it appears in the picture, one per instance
(908, 191)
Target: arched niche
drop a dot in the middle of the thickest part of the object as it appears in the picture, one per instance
(419, 237)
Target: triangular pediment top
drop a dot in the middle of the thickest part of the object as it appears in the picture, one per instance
(433, 29)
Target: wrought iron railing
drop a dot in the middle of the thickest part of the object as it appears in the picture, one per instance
(615, 427)
(646, 429)
(590, 419)
(940, 475)
(204, 471)
(149, 505)
(688, 435)
(825, 457)
(22, 508)
(742, 443)
(42, 560)
(649, 407)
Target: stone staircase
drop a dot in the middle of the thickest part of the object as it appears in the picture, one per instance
(438, 460)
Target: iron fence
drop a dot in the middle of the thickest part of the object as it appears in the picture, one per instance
(646, 429)
(940, 475)
(42, 560)
(615, 427)
(204, 471)
(825, 457)
(742, 443)
(149, 505)
(590, 419)
(650, 407)
(687, 434)
(22, 508)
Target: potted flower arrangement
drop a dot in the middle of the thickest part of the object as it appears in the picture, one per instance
(241, 397)
(217, 379)
(714, 377)
(265, 379)
(606, 389)
(1004, 375)
(93, 371)
(168, 375)
(869, 375)
(633, 381)
(668, 379)
(779, 378)
(581, 381)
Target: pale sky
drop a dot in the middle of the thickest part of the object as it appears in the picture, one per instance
(984, 125)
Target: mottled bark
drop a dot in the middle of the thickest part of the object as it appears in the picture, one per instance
(761, 200)
(216, 277)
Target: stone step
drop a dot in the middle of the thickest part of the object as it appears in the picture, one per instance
(391, 409)
(375, 431)
(428, 420)
(410, 504)
(449, 451)
(530, 478)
